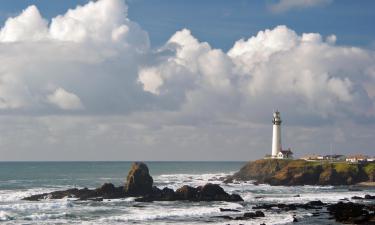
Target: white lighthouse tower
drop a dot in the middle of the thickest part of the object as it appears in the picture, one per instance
(276, 134)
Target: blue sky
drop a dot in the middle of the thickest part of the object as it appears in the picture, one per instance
(222, 22)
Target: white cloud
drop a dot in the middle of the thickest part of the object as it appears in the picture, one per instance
(275, 69)
(29, 25)
(65, 100)
(151, 80)
(285, 5)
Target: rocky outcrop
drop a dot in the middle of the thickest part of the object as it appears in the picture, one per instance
(208, 192)
(139, 181)
(139, 184)
(245, 216)
(107, 191)
(301, 172)
(353, 213)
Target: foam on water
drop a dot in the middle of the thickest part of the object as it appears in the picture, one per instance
(5, 216)
(177, 180)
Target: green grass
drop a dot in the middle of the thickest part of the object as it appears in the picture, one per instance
(369, 168)
(345, 167)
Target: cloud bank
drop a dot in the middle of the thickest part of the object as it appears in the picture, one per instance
(96, 64)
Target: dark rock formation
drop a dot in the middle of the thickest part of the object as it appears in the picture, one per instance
(352, 213)
(367, 197)
(186, 192)
(107, 190)
(139, 184)
(208, 192)
(245, 216)
(290, 207)
(229, 210)
(139, 181)
(250, 215)
(301, 172)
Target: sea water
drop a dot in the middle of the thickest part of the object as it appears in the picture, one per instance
(22, 179)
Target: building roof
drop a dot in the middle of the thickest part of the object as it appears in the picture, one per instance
(286, 151)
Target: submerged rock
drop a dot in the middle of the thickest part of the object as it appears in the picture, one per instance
(292, 206)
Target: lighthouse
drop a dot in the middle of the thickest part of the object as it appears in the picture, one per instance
(276, 134)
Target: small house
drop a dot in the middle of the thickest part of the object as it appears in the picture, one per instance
(285, 154)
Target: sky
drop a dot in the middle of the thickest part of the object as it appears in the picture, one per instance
(177, 80)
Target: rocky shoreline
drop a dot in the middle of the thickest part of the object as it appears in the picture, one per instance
(342, 212)
(139, 184)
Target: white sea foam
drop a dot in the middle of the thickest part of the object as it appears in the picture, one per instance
(14, 195)
(40, 206)
(160, 213)
(5, 216)
(44, 216)
(177, 180)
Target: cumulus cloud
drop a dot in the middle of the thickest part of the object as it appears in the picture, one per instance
(89, 50)
(65, 100)
(97, 64)
(29, 25)
(286, 5)
(276, 66)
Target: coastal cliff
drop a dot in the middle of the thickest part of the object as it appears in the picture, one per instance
(301, 172)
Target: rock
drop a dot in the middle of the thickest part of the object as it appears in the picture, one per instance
(109, 191)
(290, 207)
(82, 194)
(208, 192)
(213, 192)
(356, 197)
(138, 182)
(186, 192)
(369, 197)
(259, 214)
(316, 203)
(351, 213)
(250, 215)
(228, 210)
(235, 198)
(168, 194)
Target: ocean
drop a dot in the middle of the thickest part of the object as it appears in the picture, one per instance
(22, 179)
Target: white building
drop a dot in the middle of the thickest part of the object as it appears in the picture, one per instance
(277, 151)
(285, 154)
(276, 134)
